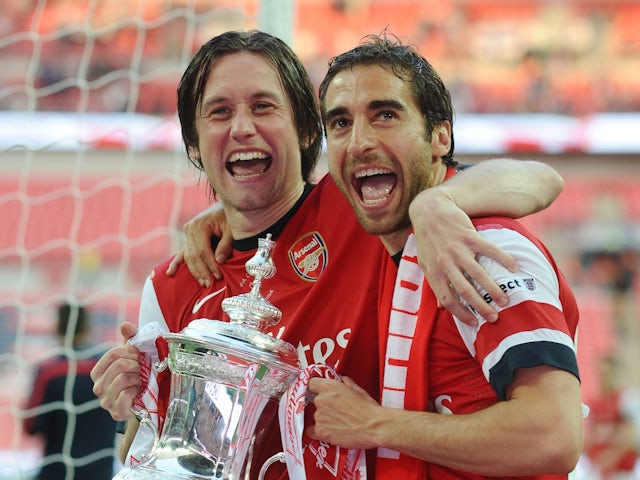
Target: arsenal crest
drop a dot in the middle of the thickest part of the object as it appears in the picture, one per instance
(309, 256)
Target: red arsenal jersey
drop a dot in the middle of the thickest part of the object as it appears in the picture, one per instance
(325, 285)
(433, 362)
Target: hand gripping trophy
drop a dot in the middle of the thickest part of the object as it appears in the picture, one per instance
(223, 374)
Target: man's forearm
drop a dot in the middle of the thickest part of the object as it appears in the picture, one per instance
(527, 435)
(513, 188)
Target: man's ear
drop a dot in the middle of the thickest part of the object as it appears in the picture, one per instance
(441, 139)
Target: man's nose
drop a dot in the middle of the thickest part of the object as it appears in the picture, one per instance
(362, 138)
(242, 124)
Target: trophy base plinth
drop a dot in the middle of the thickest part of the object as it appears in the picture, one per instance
(142, 473)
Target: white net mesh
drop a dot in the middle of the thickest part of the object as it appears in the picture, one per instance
(95, 184)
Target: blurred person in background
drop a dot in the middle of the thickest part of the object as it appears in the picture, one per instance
(78, 435)
(613, 425)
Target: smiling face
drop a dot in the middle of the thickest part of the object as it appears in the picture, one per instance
(247, 141)
(379, 152)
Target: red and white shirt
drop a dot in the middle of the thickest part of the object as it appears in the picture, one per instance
(436, 363)
(325, 285)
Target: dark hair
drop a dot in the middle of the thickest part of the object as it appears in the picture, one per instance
(293, 76)
(67, 314)
(406, 63)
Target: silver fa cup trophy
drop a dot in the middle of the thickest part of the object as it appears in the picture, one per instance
(223, 376)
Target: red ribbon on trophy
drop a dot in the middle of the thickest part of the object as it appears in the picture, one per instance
(324, 461)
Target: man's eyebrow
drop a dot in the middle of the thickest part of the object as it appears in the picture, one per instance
(393, 104)
(268, 94)
(373, 105)
(335, 112)
(262, 94)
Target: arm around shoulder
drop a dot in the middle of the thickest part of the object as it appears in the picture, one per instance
(512, 188)
(446, 240)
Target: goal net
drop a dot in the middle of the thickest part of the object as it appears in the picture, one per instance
(95, 184)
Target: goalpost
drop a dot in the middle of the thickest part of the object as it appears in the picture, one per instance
(95, 185)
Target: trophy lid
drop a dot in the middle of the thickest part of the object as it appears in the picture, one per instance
(249, 314)
(236, 340)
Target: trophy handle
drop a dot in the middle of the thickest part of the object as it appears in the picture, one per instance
(278, 457)
(145, 421)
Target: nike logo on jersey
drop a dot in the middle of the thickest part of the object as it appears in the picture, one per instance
(203, 300)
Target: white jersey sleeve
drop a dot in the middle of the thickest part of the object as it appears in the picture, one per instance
(151, 325)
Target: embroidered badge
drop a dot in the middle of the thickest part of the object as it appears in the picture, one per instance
(530, 283)
(309, 256)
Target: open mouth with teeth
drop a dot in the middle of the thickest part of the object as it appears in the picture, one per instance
(374, 185)
(248, 164)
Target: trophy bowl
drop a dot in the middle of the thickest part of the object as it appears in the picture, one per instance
(224, 378)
